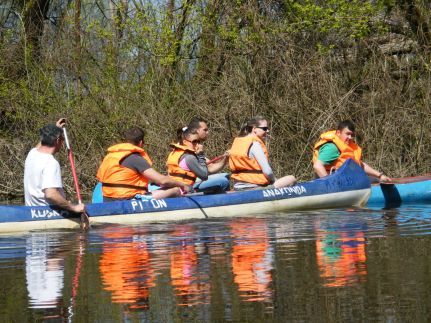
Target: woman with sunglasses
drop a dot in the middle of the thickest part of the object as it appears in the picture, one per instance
(186, 162)
(249, 157)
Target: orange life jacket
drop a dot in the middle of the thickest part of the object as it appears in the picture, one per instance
(352, 150)
(174, 170)
(244, 168)
(119, 181)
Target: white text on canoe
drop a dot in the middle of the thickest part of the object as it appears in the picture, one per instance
(142, 204)
(292, 190)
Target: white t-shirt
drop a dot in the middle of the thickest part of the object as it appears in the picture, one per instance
(41, 171)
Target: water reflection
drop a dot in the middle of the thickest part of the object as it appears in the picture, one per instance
(252, 259)
(191, 286)
(130, 262)
(44, 270)
(340, 252)
(334, 265)
(125, 267)
(45, 259)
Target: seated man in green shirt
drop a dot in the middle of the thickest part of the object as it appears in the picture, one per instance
(335, 147)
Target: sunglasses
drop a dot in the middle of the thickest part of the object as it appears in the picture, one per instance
(263, 128)
(194, 142)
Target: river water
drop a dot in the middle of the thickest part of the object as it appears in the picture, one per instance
(349, 265)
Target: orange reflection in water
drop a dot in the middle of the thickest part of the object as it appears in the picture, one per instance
(341, 257)
(252, 259)
(126, 269)
(190, 284)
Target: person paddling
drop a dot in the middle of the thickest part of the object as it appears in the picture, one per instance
(42, 174)
(249, 159)
(334, 147)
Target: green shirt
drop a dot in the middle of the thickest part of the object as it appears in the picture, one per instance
(328, 153)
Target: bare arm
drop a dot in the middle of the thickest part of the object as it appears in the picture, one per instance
(53, 196)
(374, 173)
(217, 166)
(319, 168)
(163, 180)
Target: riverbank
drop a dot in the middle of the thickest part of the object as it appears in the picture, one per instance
(303, 77)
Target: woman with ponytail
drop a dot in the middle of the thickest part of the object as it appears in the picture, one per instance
(186, 162)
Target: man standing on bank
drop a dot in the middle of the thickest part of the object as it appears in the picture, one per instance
(42, 174)
(216, 182)
(335, 147)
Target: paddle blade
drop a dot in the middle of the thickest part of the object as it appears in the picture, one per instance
(85, 221)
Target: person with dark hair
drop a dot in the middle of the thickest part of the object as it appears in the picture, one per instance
(216, 182)
(126, 171)
(200, 126)
(334, 147)
(42, 174)
(249, 159)
(186, 162)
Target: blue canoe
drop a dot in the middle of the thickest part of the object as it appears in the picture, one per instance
(407, 190)
(347, 187)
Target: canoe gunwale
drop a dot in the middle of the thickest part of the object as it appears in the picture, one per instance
(347, 187)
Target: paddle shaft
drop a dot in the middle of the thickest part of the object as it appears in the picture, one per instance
(72, 165)
(215, 159)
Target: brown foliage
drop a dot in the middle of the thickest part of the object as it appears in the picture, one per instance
(102, 88)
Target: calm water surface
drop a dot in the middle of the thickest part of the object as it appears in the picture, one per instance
(352, 265)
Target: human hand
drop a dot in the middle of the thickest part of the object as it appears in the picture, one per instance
(61, 123)
(199, 148)
(186, 189)
(385, 179)
(78, 208)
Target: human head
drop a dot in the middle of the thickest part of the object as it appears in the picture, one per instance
(346, 131)
(51, 136)
(255, 125)
(187, 138)
(134, 135)
(199, 126)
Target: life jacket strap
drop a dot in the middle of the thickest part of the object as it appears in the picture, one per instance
(250, 171)
(184, 176)
(124, 186)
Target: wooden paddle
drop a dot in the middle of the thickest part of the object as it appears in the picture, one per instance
(85, 221)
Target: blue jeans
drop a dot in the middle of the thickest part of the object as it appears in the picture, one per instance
(216, 183)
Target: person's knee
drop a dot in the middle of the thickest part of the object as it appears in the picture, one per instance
(222, 184)
(285, 181)
(292, 179)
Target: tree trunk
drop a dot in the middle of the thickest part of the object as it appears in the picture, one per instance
(35, 13)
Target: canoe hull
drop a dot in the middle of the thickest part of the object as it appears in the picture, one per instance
(347, 187)
(412, 190)
(334, 200)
